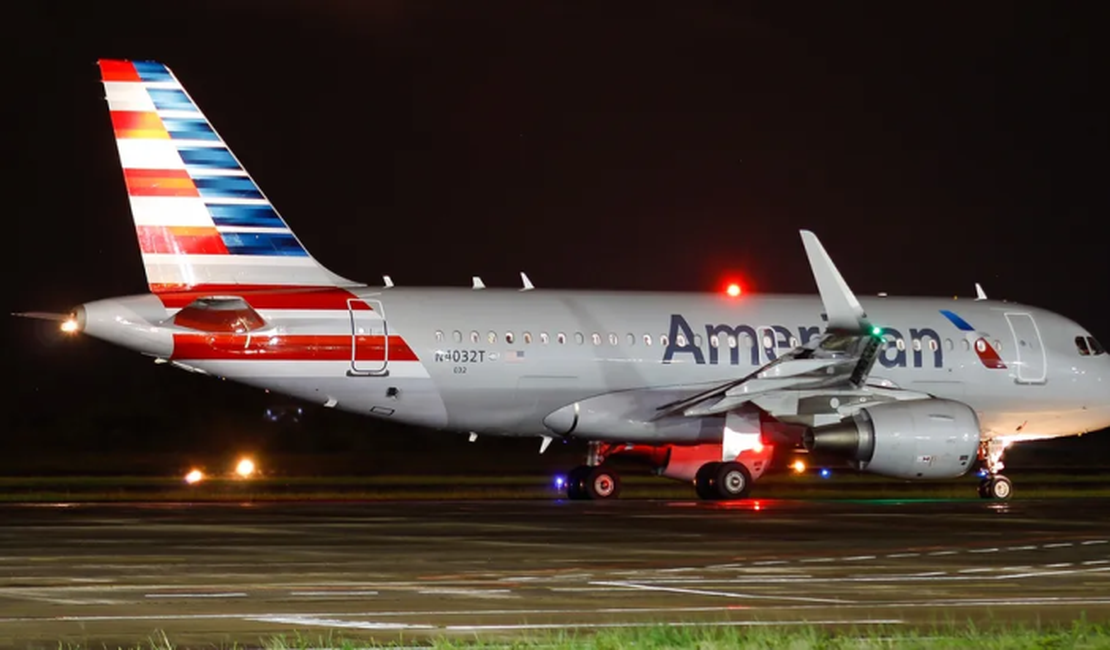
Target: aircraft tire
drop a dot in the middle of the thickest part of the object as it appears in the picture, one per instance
(704, 481)
(576, 483)
(602, 483)
(1000, 488)
(732, 481)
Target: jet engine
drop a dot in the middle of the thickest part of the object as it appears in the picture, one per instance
(919, 439)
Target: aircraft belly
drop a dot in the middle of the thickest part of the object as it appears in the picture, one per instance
(406, 394)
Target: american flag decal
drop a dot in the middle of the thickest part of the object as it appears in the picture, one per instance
(513, 356)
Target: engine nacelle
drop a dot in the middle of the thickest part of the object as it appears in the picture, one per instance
(919, 439)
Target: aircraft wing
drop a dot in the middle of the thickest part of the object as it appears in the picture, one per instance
(840, 358)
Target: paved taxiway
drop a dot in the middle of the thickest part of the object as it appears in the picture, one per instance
(223, 572)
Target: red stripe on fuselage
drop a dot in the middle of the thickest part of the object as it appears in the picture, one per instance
(988, 355)
(261, 296)
(327, 347)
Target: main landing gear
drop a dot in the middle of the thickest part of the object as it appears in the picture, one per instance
(723, 481)
(994, 485)
(713, 480)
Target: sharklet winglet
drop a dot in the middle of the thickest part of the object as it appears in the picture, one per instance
(844, 311)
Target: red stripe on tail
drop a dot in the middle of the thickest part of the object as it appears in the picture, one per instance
(118, 71)
(159, 182)
(180, 240)
(138, 124)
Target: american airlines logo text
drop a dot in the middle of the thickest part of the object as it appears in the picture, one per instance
(756, 345)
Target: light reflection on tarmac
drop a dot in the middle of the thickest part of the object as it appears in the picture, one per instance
(217, 573)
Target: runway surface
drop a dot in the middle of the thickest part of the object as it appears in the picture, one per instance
(219, 573)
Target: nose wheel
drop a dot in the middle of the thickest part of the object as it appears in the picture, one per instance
(593, 483)
(994, 486)
(997, 487)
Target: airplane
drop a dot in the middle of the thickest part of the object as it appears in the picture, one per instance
(702, 387)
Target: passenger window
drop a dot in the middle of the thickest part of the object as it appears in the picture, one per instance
(746, 340)
(948, 344)
(561, 338)
(647, 339)
(527, 338)
(439, 336)
(997, 345)
(457, 335)
(663, 340)
(768, 342)
(1096, 347)
(680, 340)
(596, 338)
(474, 337)
(917, 345)
(631, 340)
(714, 341)
(900, 344)
(966, 345)
(1081, 343)
(492, 337)
(933, 346)
(613, 340)
(509, 338)
(731, 341)
(793, 342)
(697, 340)
(543, 338)
(578, 338)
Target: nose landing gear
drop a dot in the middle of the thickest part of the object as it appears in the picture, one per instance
(994, 485)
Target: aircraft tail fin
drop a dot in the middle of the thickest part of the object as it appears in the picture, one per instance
(201, 221)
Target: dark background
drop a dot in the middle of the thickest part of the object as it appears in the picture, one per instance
(594, 145)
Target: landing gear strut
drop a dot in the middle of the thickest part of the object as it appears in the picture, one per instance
(593, 480)
(994, 486)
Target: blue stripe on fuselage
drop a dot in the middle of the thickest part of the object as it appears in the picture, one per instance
(957, 321)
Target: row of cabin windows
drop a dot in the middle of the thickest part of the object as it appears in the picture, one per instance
(1088, 346)
(714, 341)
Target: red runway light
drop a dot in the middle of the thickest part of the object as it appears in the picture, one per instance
(733, 290)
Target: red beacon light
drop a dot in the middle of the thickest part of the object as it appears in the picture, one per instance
(733, 289)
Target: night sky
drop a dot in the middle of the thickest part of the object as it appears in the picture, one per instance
(594, 145)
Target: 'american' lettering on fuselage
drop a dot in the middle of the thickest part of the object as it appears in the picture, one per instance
(731, 346)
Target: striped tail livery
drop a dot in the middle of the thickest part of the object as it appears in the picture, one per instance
(201, 221)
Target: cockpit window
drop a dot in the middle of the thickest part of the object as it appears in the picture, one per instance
(1096, 347)
(1081, 343)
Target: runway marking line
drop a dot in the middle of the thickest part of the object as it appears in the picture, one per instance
(333, 593)
(237, 594)
(723, 594)
(559, 626)
(335, 622)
